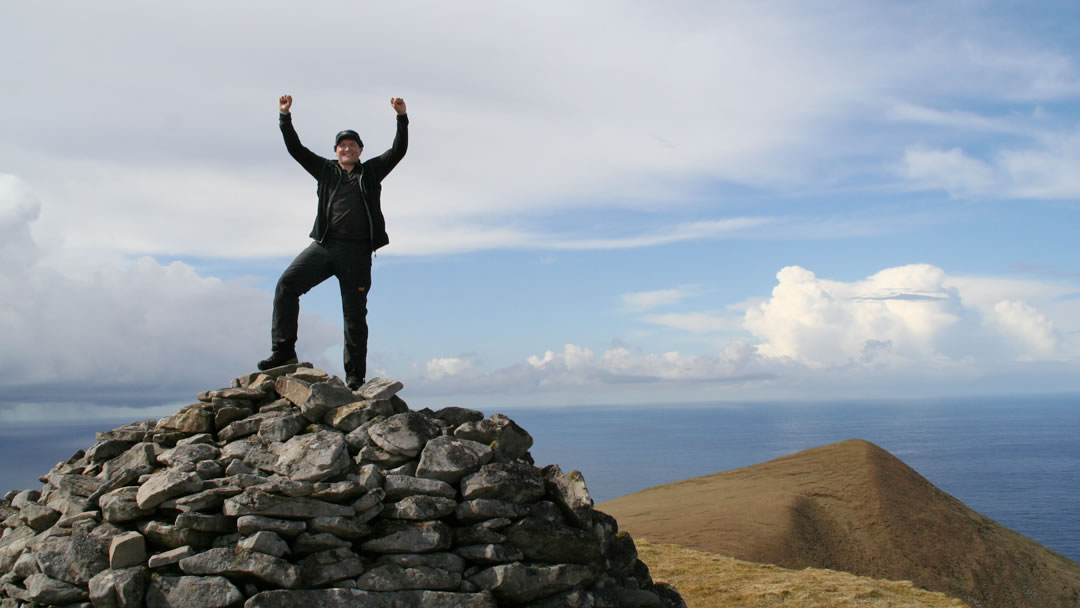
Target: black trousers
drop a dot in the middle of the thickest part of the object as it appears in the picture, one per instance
(350, 262)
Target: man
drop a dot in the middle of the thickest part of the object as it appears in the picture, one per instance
(349, 227)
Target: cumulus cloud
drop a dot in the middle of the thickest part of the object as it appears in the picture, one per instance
(446, 366)
(905, 316)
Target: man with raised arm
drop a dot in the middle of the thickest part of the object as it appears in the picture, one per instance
(349, 227)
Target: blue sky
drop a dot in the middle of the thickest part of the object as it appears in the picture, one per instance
(604, 202)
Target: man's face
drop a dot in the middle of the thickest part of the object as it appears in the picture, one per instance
(348, 152)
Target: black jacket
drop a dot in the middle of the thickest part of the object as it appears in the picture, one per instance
(330, 174)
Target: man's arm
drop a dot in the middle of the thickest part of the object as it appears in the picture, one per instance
(386, 161)
(311, 162)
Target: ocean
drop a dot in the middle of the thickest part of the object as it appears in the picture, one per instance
(1015, 460)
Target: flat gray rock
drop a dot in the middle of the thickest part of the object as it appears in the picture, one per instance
(257, 502)
(281, 427)
(420, 508)
(330, 566)
(265, 542)
(342, 527)
(49, 591)
(400, 486)
(379, 388)
(500, 430)
(135, 431)
(490, 554)
(445, 561)
(409, 537)
(404, 434)
(514, 482)
(170, 557)
(165, 485)
(351, 598)
(192, 592)
(119, 588)
(390, 577)
(127, 550)
(487, 508)
(451, 458)
(194, 419)
(73, 559)
(237, 562)
(313, 456)
(314, 399)
(251, 524)
(519, 583)
(188, 454)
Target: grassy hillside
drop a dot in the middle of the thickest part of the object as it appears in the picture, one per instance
(707, 580)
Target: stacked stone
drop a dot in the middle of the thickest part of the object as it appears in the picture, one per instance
(288, 489)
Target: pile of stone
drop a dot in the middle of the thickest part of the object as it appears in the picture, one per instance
(288, 489)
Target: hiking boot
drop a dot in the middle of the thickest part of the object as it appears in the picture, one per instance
(277, 359)
(354, 383)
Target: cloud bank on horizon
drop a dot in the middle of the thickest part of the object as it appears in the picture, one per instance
(893, 184)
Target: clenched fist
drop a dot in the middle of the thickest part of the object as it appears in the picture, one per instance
(397, 102)
(284, 103)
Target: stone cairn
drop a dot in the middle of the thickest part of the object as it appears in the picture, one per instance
(288, 489)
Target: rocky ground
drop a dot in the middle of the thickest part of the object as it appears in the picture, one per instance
(288, 489)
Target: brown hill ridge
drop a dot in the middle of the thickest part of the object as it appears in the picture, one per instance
(852, 506)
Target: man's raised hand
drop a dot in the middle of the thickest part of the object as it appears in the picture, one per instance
(284, 103)
(398, 104)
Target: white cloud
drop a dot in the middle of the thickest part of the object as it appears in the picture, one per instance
(446, 366)
(631, 108)
(909, 316)
(951, 170)
(1029, 327)
(903, 331)
(697, 322)
(118, 329)
(642, 301)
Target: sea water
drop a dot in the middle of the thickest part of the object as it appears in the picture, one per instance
(1015, 460)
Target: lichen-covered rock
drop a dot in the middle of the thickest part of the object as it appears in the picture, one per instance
(420, 508)
(192, 591)
(545, 541)
(404, 434)
(513, 440)
(254, 501)
(349, 598)
(48, 591)
(397, 487)
(124, 588)
(409, 537)
(314, 399)
(313, 456)
(513, 482)
(330, 566)
(73, 559)
(379, 388)
(193, 419)
(520, 583)
(391, 577)
(251, 524)
(238, 562)
(451, 458)
(290, 480)
(165, 485)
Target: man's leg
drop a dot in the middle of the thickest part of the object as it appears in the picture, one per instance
(353, 270)
(311, 267)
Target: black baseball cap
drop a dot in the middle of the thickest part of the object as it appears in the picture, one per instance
(348, 134)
